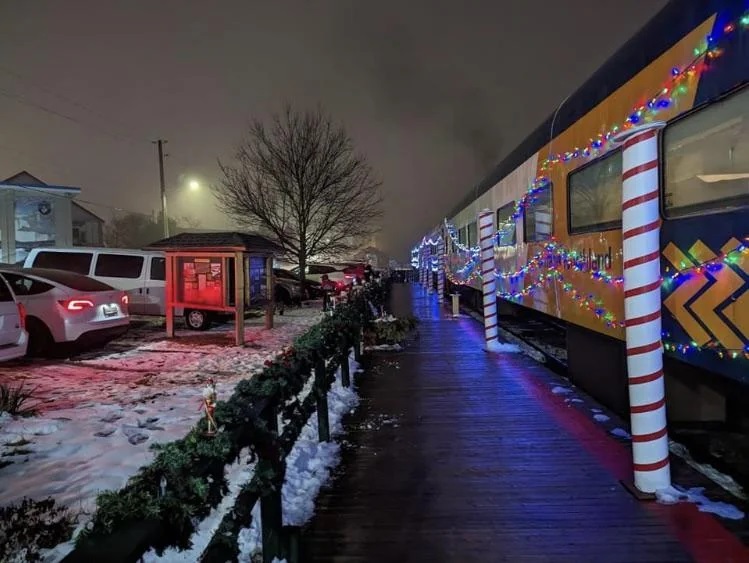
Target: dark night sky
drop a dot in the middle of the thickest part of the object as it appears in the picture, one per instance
(434, 92)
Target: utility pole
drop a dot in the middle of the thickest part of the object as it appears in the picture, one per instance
(164, 217)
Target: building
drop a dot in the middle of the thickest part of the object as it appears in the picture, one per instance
(88, 228)
(34, 214)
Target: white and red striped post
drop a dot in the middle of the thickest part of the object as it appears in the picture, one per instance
(642, 306)
(441, 268)
(486, 243)
(430, 274)
(422, 260)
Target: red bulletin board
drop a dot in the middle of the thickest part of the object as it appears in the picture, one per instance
(200, 281)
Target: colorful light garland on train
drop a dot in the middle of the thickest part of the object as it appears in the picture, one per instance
(675, 86)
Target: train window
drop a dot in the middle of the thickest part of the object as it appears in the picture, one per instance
(595, 195)
(706, 158)
(537, 217)
(472, 235)
(462, 235)
(506, 231)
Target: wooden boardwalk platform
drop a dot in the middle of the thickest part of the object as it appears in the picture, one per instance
(456, 455)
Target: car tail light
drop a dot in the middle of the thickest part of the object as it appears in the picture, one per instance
(22, 315)
(77, 304)
(125, 300)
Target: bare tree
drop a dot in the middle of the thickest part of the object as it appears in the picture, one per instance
(136, 230)
(299, 181)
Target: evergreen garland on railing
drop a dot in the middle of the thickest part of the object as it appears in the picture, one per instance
(186, 479)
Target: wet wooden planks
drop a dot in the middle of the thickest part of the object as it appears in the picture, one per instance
(450, 459)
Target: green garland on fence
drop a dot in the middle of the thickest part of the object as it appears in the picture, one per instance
(186, 478)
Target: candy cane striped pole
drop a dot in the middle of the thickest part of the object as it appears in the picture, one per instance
(422, 277)
(486, 243)
(430, 273)
(441, 269)
(642, 306)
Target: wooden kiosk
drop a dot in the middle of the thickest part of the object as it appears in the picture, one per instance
(202, 275)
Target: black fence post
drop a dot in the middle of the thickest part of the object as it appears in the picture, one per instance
(271, 517)
(345, 367)
(291, 543)
(321, 390)
(357, 346)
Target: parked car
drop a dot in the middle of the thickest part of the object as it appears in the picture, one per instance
(63, 307)
(288, 287)
(14, 339)
(335, 273)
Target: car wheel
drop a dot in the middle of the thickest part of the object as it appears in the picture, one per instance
(40, 338)
(282, 296)
(197, 320)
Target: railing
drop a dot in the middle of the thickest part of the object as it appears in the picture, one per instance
(130, 540)
(278, 540)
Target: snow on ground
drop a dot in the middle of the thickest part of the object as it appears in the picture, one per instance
(101, 413)
(673, 495)
(308, 468)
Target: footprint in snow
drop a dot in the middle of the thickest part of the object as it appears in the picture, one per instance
(134, 435)
(111, 418)
(104, 433)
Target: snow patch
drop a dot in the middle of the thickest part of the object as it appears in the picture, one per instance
(101, 411)
(308, 468)
(674, 495)
(601, 417)
(621, 433)
(503, 348)
(236, 475)
(384, 347)
(725, 481)
(559, 390)
(573, 400)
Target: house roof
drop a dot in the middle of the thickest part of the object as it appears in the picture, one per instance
(218, 241)
(88, 211)
(25, 180)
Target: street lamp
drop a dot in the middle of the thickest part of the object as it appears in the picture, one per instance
(194, 185)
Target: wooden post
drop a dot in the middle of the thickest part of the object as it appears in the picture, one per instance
(170, 292)
(323, 424)
(345, 367)
(291, 543)
(239, 283)
(271, 293)
(271, 515)
(358, 342)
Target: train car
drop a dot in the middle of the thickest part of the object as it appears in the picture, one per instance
(557, 206)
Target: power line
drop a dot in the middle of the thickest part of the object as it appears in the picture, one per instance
(64, 98)
(22, 100)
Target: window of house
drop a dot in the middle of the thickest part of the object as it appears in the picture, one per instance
(472, 235)
(119, 266)
(595, 195)
(158, 269)
(506, 231)
(538, 216)
(76, 262)
(706, 158)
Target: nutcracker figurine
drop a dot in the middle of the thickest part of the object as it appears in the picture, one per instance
(209, 404)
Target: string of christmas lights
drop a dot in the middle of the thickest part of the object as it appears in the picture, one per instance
(675, 86)
(589, 302)
(712, 346)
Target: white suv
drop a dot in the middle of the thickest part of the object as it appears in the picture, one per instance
(13, 336)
